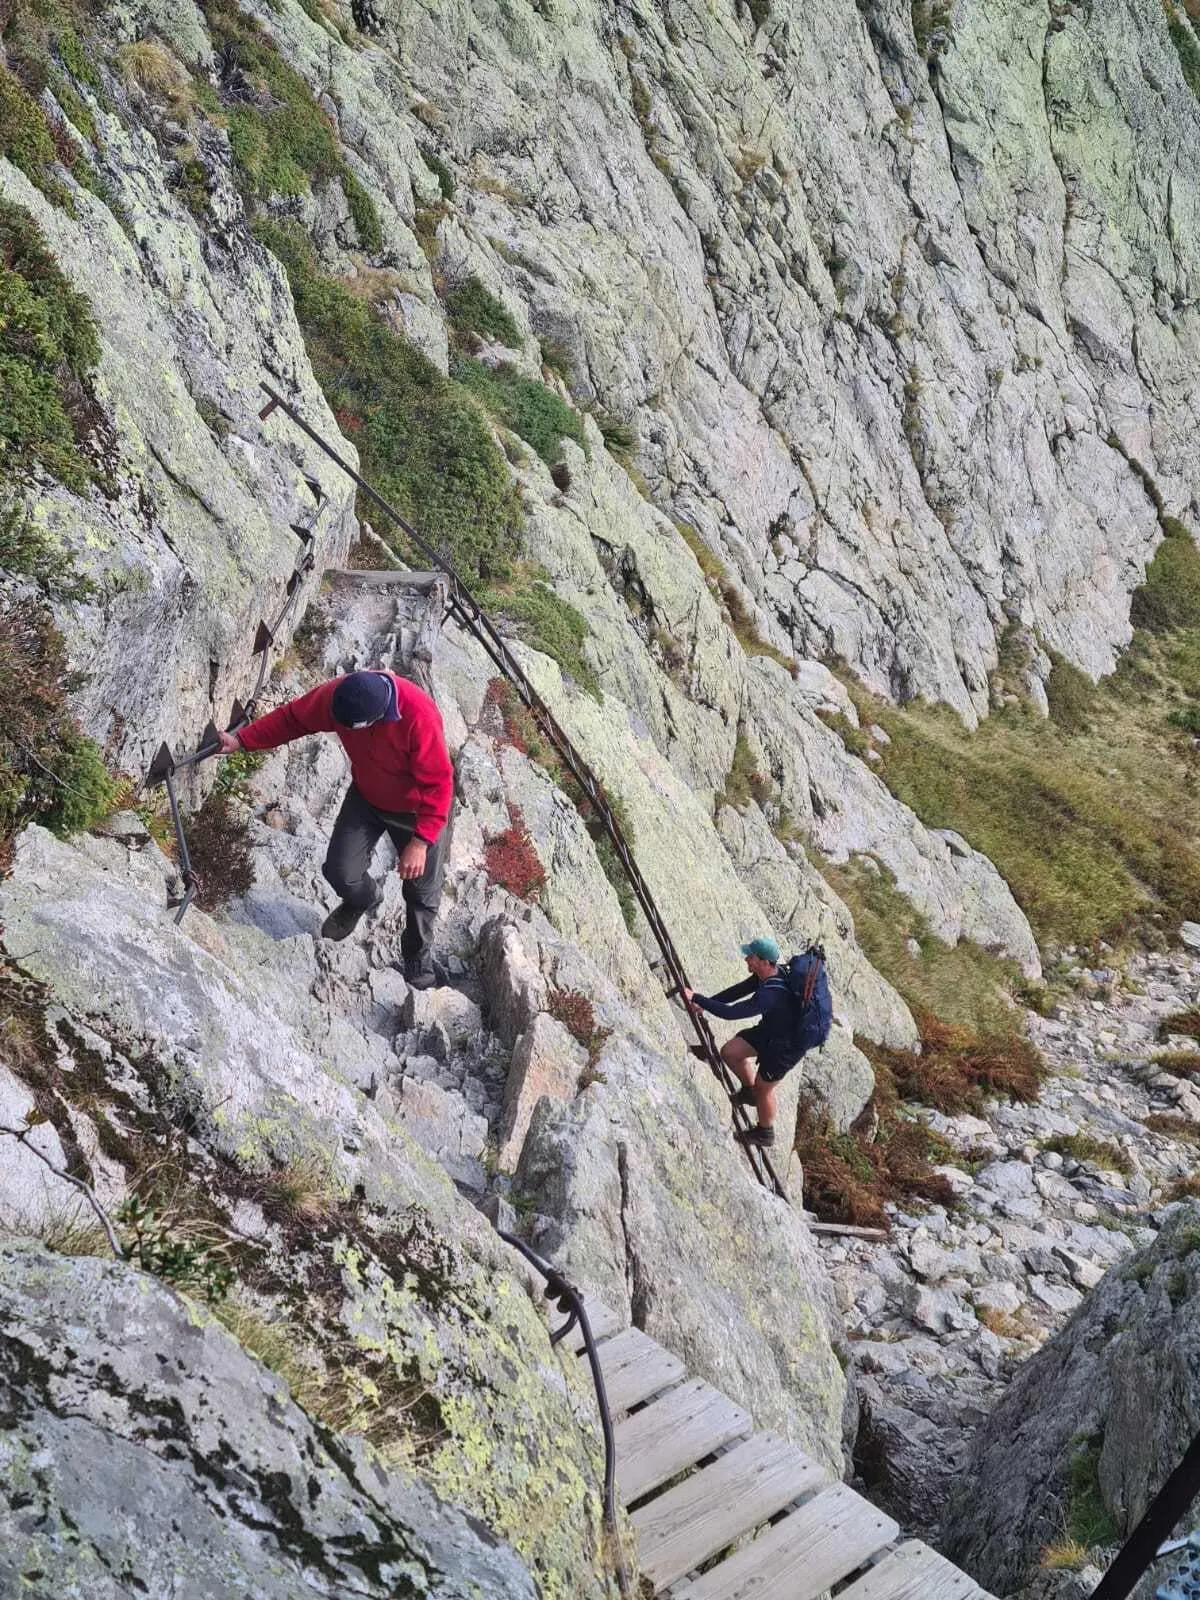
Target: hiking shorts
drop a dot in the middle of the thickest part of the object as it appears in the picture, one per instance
(771, 1068)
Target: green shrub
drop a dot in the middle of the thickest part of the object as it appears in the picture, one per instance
(1186, 47)
(1170, 593)
(473, 308)
(284, 144)
(24, 132)
(423, 441)
(546, 621)
(49, 771)
(522, 404)
(363, 213)
(1088, 1519)
(48, 345)
(1070, 695)
(744, 781)
(1187, 718)
(440, 171)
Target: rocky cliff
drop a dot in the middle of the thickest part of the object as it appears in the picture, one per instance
(723, 347)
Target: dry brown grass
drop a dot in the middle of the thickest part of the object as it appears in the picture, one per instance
(1004, 1324)
(1172, 1126)
(1083, 1147)
(1179, 1063)
(305, 1190)
(1064, 1555)
(849, 1176)
(1185, 1188)
(959, 1071)
(1185, 1023)
(150, 66)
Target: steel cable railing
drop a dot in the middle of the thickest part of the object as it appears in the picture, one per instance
(570, 1302)
(165, 764)
(469, 614)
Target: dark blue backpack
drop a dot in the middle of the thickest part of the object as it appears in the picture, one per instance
(812, 1004)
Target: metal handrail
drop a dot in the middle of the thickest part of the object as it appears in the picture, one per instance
(468, 612)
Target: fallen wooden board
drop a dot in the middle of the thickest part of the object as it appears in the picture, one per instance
(691, 1522)
(914, 1572)
(805, 1553)
(635, 1367)
(687, 1424)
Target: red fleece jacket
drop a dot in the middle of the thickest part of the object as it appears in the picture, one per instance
(396, 766)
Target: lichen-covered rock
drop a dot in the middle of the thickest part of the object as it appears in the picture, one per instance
(1104, 1411)
(238, 1035)
(144, 1451)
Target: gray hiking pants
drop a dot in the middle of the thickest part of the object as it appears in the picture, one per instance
(356, 832)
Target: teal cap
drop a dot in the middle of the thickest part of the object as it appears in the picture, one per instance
(764, 949)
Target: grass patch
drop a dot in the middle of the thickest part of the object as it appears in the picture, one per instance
(473, 308)
(48, 348)
(1094, 826)
(1083, 1147)
(962, 983)
(422, 440)
(1169, 597)
(1088, 1520)
(523, 404)
(440, 171)
(1185, 1188)
(545, 622)
(1064, 1555)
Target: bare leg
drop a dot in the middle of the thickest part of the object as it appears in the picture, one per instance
(739, 1057)
(764, 1100)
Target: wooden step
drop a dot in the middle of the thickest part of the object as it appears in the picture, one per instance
(687, 1424)
(914, 1572)
(682, 1528)
(603, 1322)
(635, 1367)
(806, 1552)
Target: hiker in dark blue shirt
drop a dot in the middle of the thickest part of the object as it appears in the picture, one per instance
(764, 994)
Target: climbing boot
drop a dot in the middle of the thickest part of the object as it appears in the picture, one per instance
(419, 971)
(744, 1096)
(760, 1138)
(344, 918)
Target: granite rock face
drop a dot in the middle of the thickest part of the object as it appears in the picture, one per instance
(1118, 1388)
(891, 315)
(145, 1452)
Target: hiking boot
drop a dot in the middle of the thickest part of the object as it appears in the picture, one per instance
(419, 971)
(760, 1138)
(744, 1096)
(344, 918)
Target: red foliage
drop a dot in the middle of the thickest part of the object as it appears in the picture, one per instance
(348, 421)
(511, 860)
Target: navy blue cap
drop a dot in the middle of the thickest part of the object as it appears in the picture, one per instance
(362, 698)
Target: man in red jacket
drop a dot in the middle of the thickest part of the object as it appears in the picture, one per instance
(402, 784)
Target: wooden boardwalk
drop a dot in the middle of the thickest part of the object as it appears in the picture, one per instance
(724, 1512)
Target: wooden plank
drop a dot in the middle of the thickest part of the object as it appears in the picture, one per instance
(635, 1367)
(914, 1572)
(658, 1442)
(602, 1320)
(803, 1554)
(712, 1508)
